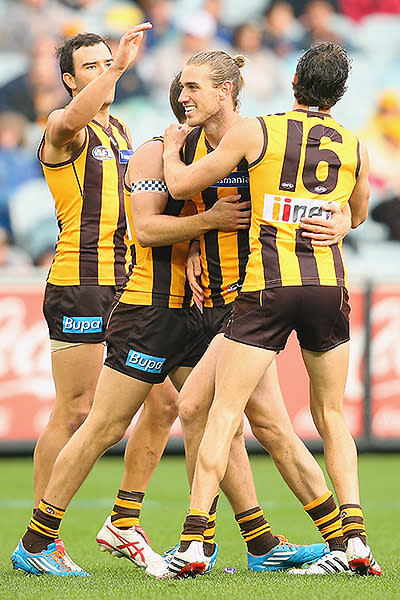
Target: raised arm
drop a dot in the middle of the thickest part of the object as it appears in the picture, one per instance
(243, 140)
(152, 227)
(65, 124)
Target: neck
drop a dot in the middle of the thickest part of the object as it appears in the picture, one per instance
(216, 129)
(304, 107)
(103, 116)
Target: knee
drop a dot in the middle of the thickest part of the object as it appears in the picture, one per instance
(164, 416)
(73, 414)
(272, 436)
(326, 418)
(191, 412)
(105, 431)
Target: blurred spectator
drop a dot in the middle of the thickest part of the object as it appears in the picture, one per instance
(298, 6)
(215, 9)
(262, 73)
(27, 21)
(281, 30)
(39, 91)
(11, 256)
(387, 212)
(159, 13)
(17, 165)
(319, 23)
(100, 16)
(382, 138)
(160, 66)
(356, 10)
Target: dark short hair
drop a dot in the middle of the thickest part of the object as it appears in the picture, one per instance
(174, 92)
(64, 53)
(322, 74)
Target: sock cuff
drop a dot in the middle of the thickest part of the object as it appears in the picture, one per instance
(318, 501)
(50, 509)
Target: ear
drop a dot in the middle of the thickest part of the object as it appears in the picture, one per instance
(70, 81)
(225, 90)
(295, 78)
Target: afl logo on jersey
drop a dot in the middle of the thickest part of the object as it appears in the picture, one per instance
(102, 153)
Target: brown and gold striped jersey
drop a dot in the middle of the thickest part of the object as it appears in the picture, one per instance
(223, 254)
(308, 159)
(89, 202)
(157, 275)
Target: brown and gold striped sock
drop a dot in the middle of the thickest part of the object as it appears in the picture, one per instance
(127, 507)
(209, 534)
(256, 531)
(43, 528)
(352, 522)
(194, 527)
(325, 514)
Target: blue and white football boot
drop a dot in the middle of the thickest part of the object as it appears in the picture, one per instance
(286, 556)
(53, 560)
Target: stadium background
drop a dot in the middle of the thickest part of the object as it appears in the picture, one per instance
(272, 36)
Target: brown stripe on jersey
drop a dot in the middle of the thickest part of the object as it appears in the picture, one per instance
(269, 253)
(243, 234)
(91, 213)
(119, 234)
(307, 263)
(358, 159)
(265, 143)
(210, 197)
(161, 274)
(338, 264)
(291, 161)
(191, 145)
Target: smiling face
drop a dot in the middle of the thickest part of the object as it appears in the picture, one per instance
(89, 63)
(200, 99)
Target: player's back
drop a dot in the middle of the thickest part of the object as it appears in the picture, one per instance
(308, 159)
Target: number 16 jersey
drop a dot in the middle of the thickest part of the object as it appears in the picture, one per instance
(308, 159)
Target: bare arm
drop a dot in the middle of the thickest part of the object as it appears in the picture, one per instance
(243, 140)
(153, 228)
(359, 198)
(65, 124)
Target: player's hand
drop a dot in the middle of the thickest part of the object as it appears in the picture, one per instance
(129, 45)
(175, 136)
(325, 232)
(228, 214)
(193, 271)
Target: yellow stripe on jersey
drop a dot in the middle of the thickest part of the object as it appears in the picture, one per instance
(308, 159)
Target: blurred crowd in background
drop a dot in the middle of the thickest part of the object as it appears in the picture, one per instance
(270, 33)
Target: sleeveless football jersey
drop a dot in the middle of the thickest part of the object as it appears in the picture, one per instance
(308, 159)
(157, 275)
(89, 202)
(223, 254)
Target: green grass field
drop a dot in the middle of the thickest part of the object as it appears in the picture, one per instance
(162, 516)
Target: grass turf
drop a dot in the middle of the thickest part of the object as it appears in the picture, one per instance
(162, 516)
